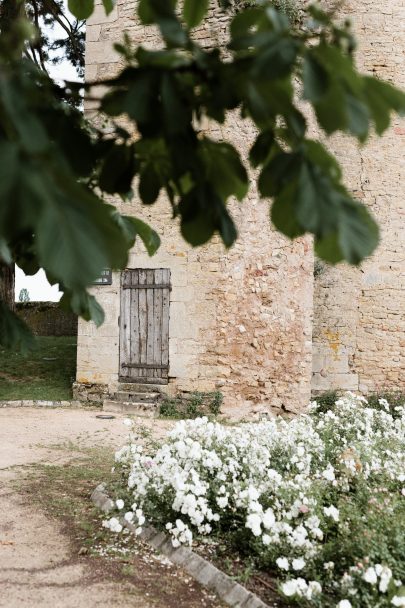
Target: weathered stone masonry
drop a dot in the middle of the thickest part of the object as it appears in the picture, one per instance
(242, 320)
(359, 314)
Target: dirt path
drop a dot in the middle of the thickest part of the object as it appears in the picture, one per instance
(43, 561)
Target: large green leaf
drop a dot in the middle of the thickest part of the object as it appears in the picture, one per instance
(177, 114)
(276, 59)
(317, 202)
(194, 11)
(382, 99)
(109, 5)
(245, 21)
(281, 169)
(82, 9)
(224, 169)
(118, 170)
(149, 184)
(84, 305)
(315, 78)
(358, 116)
(202, 214)
(75, 234)
(262, 147)
(358, 232)
(283, 212)
(149, 237)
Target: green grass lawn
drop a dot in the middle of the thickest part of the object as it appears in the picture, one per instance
(45, 373)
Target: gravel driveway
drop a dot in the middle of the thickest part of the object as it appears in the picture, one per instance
(38, 565)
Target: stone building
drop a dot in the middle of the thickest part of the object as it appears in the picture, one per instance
(259, 321)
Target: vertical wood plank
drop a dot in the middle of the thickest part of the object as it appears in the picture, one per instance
(143, 320)
(150, 323)
(157, 321)
(125, 324)
(134, 338)
(165, 321)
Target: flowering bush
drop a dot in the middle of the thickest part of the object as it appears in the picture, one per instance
(317, 500)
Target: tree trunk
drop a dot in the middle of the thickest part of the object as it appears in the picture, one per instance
(7, 285)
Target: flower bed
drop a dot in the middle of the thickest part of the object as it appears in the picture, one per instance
(318, 501)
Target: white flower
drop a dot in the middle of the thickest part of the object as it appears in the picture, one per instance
(386, 575)
(120, 504)
(253, 494)
(398, 600)
(298, 563)
(129, 516)
(222, 501)
(329, 473)
(289, 588)
(114, 525)
(332, 512)
(370, 576)
(128, 422)
(180, 525)
(253, 521)
(268, 519)
(282, 563)
(344, 604)
(314, 588)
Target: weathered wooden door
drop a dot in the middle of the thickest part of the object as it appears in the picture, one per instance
(144, 325)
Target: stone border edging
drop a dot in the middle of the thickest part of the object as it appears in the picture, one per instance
(38, 403)
(200, 569)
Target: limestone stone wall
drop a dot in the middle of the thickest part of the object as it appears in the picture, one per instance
(240, 320)
(359, 314)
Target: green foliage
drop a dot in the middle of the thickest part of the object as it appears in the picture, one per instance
(55, 169)
(290, 7)
(192, 406)
(327, 401)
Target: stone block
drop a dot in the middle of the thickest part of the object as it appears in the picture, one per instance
(100, 52)
(99, 17)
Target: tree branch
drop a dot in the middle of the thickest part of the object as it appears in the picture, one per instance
(39, 48)
(57, 13)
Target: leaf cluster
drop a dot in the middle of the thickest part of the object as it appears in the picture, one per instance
(50, 213)
(55, 170)
(167, 92)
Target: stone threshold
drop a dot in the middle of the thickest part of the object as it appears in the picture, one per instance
(210, 577)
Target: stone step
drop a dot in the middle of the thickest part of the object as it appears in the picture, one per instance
(148, 410)
(136, 387)
(137, 397)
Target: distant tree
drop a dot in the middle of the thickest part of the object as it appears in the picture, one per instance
(24, 295)
(45, 48)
